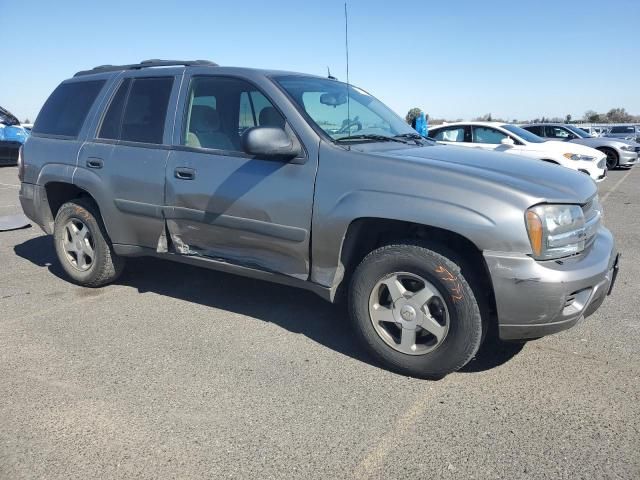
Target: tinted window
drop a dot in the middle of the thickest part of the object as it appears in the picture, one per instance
(451, 134)
(487, 135)
(146, 109)
(67, 107)
(622, 130)
(558, 133)
(113, 119)
(535, 129)
(220, 109)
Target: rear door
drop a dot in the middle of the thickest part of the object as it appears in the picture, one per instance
(127, 158)
(225, 204)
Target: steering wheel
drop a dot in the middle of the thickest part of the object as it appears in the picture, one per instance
(349, 126)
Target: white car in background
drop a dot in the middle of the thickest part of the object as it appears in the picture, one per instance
(503, 137)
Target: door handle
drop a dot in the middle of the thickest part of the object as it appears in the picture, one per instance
(94, 162)
(184, 173)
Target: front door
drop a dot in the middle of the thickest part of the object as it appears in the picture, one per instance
(226, 205)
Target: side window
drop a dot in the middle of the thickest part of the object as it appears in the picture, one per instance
(220, 109)
(112, 122)
(536, 130)
(451, 134)
(487, 135)
(138, 110)
(558, 133)
(65, 110)
(146, 110)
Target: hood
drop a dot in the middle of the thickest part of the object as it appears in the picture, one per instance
(541, 181)
(7, 118)
(565, 147)
(603, 142)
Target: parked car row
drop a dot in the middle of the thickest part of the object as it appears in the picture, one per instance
(511, 139)
(431, 246)
(619, 152)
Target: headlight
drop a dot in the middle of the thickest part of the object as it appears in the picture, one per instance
(556, 231)
(577, 156)
(628, 148)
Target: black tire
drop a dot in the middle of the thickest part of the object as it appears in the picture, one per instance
(106, 265)
(465, 332)
(612, 157)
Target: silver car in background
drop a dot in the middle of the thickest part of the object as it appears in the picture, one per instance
(625, 132)
(620, 152)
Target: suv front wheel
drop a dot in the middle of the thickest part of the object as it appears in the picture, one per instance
(82, 245)
(414, 310)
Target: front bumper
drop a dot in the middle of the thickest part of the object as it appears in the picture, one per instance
(628, 159)
(535, 299)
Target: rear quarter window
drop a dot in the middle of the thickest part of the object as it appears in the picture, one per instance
(65, 111)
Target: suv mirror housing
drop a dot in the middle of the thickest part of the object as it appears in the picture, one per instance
(271, 142)
(508, 141)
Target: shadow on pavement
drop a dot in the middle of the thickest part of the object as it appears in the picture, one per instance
(293, 309)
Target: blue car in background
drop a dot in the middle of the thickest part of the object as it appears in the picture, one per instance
(12, 136)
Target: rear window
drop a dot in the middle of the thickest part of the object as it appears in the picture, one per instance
(65, 110)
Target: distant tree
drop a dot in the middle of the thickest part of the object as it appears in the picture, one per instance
(26, 120)
(412, 115)
(568, 119)
(618, 115)
(591, 116)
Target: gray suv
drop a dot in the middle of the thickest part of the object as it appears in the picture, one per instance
(619, 152)
(313, 183)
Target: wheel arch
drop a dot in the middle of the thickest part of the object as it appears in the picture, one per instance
(365, 234)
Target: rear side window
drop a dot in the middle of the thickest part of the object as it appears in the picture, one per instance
(138, 110)
(535, 129)
(622, 130)
(65, 110)
(112, 123)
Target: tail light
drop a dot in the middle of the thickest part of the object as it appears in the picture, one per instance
(20, 165)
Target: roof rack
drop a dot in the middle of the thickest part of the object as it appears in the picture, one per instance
(146, 64)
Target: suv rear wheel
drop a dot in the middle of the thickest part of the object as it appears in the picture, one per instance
(82, 245)
(414, 311)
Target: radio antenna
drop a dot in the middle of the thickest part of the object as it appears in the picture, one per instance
(346, 47)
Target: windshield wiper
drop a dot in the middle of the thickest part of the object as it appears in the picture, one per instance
(373, 137)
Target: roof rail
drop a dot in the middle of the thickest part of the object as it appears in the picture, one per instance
(145, 64)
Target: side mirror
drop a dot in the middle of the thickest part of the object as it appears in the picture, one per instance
(270, 142)
(508, 141)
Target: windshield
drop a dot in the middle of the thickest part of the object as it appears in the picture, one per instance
(343, 111)
(578, 131)
(7, 118)
(523, 134)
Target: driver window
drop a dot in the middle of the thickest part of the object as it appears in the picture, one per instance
(220, 109)
(487, 135)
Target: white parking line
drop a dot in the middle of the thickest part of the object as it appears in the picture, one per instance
(615, 187)
(10, 185)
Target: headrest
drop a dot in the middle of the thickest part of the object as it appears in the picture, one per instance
(204, 119)
(270, 117)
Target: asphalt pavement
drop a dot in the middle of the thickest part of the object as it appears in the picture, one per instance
(180, 372)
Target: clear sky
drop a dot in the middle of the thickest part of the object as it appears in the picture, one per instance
(454, 59)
